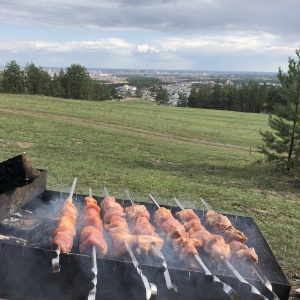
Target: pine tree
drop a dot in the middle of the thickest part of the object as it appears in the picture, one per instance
(13, 78)
(282, 144)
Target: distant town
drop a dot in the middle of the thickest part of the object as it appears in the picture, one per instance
(177, 82)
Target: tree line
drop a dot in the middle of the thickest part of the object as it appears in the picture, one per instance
(75, 82)
(248, 97)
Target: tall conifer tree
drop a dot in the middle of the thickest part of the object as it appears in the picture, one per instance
(282, 144)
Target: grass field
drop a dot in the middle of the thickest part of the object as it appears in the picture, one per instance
(165, 151)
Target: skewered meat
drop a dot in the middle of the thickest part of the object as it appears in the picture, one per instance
(91, 214)
(190, 246)
(143, 227)
(220, 224)
(64, 240)
(145, 232)
(136, 211)
(241, 251)
(121, 239)
(175, 231)
(65, 230)
(166, 223)
(65, 224)
(69, 209)
(187, 215)
(116, 221)
(92, 232)
(199, 232)
(214, 245)
(111, 208)
(117, 225)
(217, 248)
(161, 215)
(91, 236)
(112, 212)
(145, 244)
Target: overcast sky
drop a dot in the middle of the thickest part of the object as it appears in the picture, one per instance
(211, 35)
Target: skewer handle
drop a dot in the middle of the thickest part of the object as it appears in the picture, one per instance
(253, 289)
(55, 261)
(226, 288)
(264, 280)
(151, 289)
(92, 293)
(169, 283)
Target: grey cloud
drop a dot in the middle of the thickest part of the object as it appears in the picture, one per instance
(164, 15)
(194, 31)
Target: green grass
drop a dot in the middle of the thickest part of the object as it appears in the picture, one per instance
(165, 151)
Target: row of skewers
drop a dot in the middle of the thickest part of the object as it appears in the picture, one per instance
(130, 228)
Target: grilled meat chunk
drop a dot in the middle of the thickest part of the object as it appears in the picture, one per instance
(92, 232)
(241, 251)
(92, 236)
(136, 211)
(65, 230)
(220, 224)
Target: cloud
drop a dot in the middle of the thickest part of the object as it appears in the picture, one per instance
(147, 49)
(161, 15)
(137, 33)
(112, 45)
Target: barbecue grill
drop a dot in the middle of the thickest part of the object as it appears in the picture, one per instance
(26, 272)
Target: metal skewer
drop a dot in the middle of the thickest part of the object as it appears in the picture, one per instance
(258, 272)
(226, 288)
(158, 252)
(151, 289)
(253, 289)
(93, 291)
(55, 260)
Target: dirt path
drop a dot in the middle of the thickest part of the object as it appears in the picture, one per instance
(129, 130)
